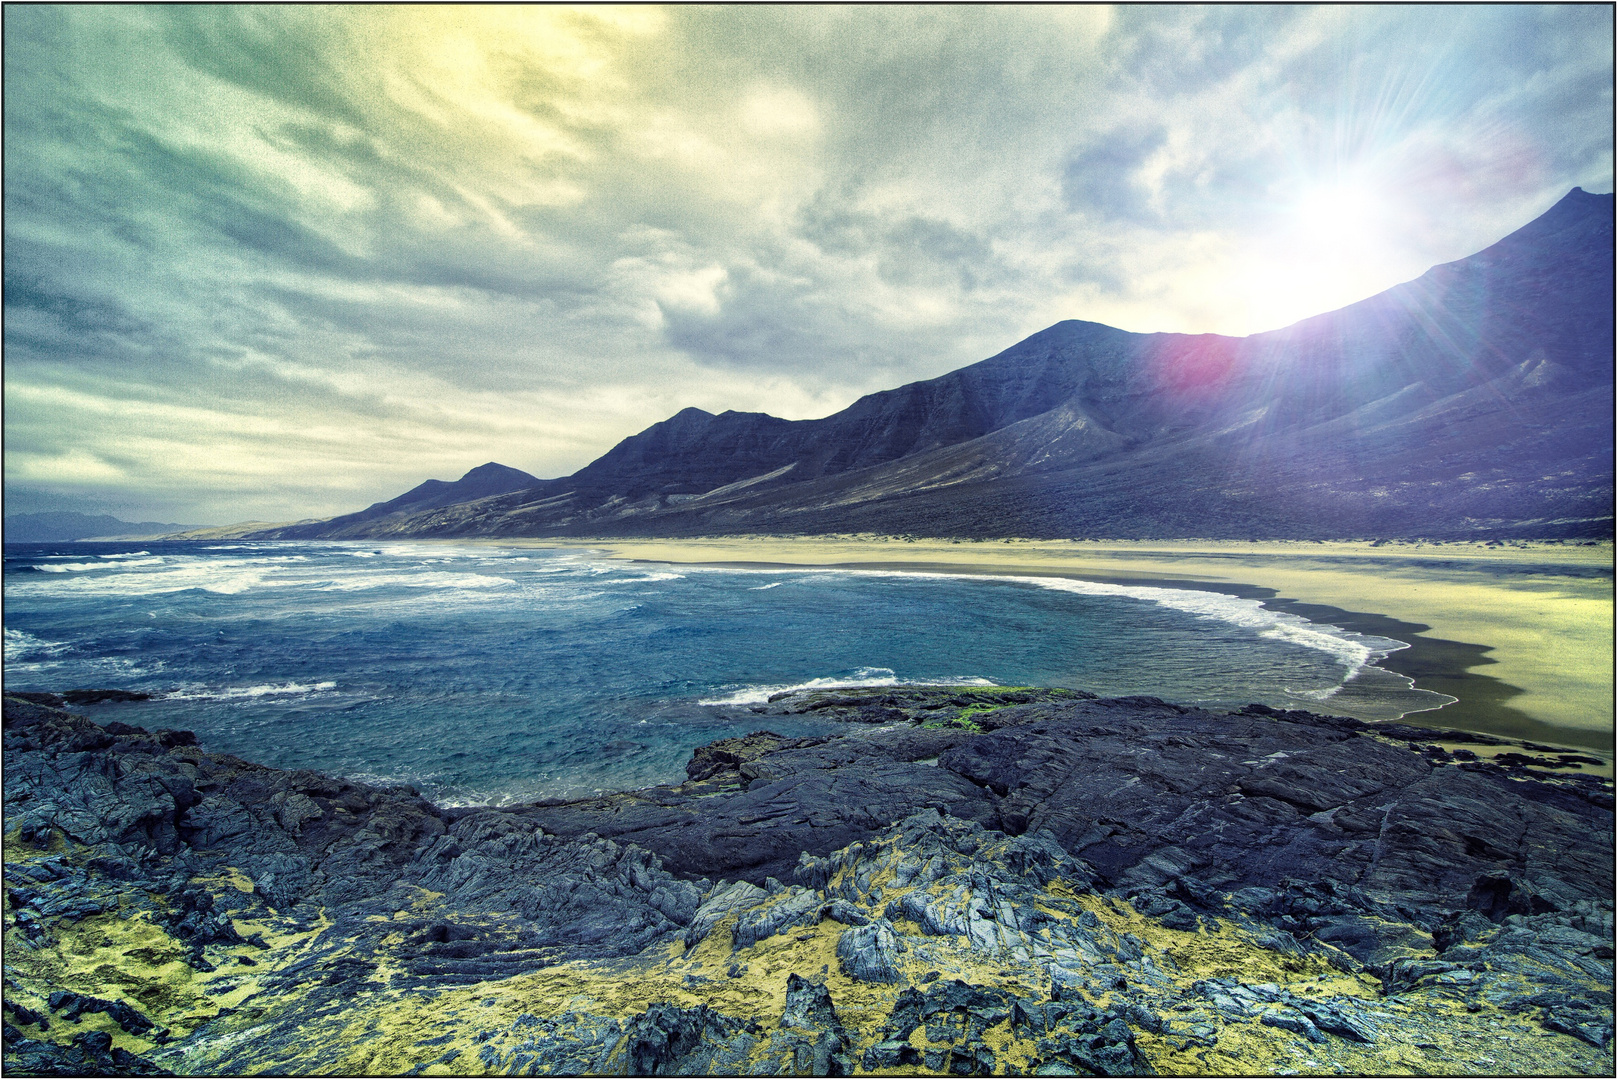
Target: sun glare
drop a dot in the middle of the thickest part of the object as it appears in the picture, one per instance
(1335, 214)
(1326, 249)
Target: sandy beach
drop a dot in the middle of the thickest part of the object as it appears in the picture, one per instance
(1521, 632)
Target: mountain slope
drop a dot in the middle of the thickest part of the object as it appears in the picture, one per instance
(1476, 400)
(485, 480)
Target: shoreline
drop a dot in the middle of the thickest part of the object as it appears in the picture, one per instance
(1540, 615)
(1519, 632)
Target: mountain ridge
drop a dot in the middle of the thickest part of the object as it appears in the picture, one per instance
(490, 478)
(1472, 401)
(66, 526)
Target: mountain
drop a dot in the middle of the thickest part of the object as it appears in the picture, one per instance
(1474, 401)
(60, 526)
(381, 518)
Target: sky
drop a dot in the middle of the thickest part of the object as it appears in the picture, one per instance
(270, 263)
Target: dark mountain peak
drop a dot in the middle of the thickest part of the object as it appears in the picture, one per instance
(493, 471)
(490, 478)
(1577, 209)
(685, 420)
(683, 425)
(1579, 199)
(1079, 328)
(1579, 224)
(1065, 333)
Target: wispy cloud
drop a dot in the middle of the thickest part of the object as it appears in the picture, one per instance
(268, 262)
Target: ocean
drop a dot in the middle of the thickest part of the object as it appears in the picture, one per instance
(483, 674)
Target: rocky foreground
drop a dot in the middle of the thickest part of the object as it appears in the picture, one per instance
(962, 881)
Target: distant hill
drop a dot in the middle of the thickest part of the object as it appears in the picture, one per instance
(60, 526)
(380, 518)
(1473, 402)
(235, 531)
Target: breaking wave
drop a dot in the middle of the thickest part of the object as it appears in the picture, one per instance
(23, 647)
(865, 676)
(238, 693)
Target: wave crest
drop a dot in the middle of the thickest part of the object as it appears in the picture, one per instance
(865, 676)
(237, 693)
(23, 647)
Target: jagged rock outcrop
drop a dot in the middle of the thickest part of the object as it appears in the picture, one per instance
(869, 952)
(301, 840)
(1153, 796)
(1136, 887)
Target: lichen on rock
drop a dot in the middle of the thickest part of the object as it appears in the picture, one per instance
(1086, 886)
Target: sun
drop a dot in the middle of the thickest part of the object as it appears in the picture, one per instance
(1326, 247)
(1342, 214)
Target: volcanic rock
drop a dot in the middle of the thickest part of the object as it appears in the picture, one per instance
(1079, 885)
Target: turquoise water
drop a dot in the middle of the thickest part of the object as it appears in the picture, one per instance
(484, 674)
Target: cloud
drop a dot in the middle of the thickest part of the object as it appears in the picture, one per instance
(1104, 179)
(273, 262)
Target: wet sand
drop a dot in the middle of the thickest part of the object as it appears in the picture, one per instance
(1521, 634)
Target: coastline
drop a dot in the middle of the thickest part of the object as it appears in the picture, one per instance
(1522, 635)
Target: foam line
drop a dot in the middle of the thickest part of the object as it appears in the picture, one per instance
(758, 695)
(235, 693)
